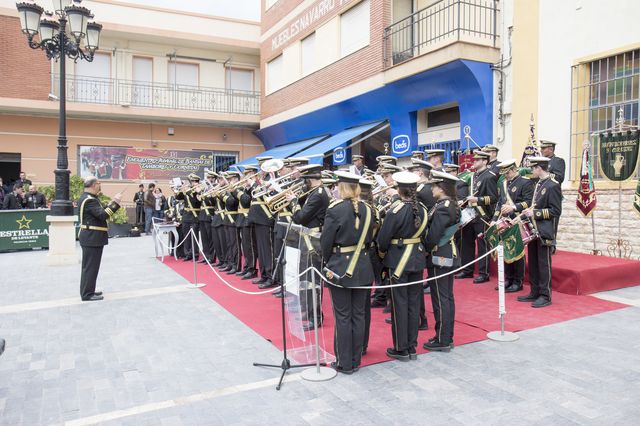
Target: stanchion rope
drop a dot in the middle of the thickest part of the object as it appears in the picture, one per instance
(165, 245)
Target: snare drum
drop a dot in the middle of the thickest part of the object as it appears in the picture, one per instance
(467, 215)
(503, 224)
(528, 231)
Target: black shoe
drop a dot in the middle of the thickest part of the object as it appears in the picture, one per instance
(202, 261)
(311, 325)
(413, 354)
(436, 346)
(528, 298)
(541, 302)
(240, 273)
(378, 304)
(97, 293)
(462, 275)
(260, 280)
(339, 369)
(387, 309)
(426, 290)
(231, 271)
(399, 355)
(364, 351)
(481, 279)
(249, 275)
(388, 320)
(267, 284)
(423, 325)
(513, 288)
(93, 298)
(278, 294)
(224, 268)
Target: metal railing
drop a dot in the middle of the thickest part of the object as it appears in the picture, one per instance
(442, 23)
(157, 95)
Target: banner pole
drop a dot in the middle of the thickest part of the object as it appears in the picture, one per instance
(501, 336)
(194, 249)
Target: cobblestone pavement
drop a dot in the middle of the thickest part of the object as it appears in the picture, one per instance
(157, 353)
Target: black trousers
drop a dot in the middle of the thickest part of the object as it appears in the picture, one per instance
(514, 272)
(249, 249)
(207, 238)
(423, 311)
(233, 245)
(466, 245)
(219, 237)
(91, 257)
(405, 311)
(264, 241)
(349, 313)
(380, 294)
(309, 283)
(540, 269)
(189, 250)
(367, 320)
(483, 265)
(139, 214)
(444, 309)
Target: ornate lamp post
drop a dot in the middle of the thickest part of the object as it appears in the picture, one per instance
(78, 40)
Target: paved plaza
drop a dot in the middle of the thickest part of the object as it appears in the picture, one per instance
(157, 353)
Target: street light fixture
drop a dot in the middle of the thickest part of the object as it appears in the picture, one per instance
(81, 42)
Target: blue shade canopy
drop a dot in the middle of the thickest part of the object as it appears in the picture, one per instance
(282, 151)
(316, 152)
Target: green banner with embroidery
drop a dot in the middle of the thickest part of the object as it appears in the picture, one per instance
(618, 154)
(513, 244)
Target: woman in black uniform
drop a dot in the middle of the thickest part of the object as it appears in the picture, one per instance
(348, 224)
(400, 244)
(443, 257)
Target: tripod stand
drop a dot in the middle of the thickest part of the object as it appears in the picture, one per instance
(286, 363)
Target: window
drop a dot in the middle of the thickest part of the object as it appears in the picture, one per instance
(354, 28)
(92, 82)
(222, 160)
(142, 69)
(142, 76)
(275, 75)
(239, 79)
(183, 74)
(308, 54)
(599, 90)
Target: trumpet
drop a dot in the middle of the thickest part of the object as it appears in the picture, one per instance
(280, 201)
(381, 189)
(201, 186)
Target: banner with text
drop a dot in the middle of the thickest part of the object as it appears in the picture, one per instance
(119, 163)
(619, 154)
(23, 229)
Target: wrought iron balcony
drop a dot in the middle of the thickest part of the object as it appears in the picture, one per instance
(442, 23)
(156, 95)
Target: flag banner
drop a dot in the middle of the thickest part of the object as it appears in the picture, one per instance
(636, 198)
(586, 200)
(465, 161)
(492, 237)
(466, 177)
(618, 154)
(513, 244)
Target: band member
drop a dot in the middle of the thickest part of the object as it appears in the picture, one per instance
(556, 164)
(493, 160)
(436, 158)
(462, 192)
(311, 215)
(386, 159)
(282, 218)
(514, 195)
(218, 229)
(442, 258)
(231, 203)
(418, 155)
(422, 169)
(483, 198)
(204, 221)
(347, 225)
(262, 220)
(545, 211)
(174, 214)
(358, 164)
(366, 186)
(190, 216)
(93, 235)
(400, 244)
(248, 237)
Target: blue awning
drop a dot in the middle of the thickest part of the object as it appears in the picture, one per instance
(316, 152)
(282, 151)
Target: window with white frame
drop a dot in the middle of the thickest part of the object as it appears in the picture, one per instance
(239, 79)
(92, 81)
(354, 28)
(275, 74)
(308, 54)
(142, 76)
(183, 74)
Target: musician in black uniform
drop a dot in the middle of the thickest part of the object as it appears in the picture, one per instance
(400, 244)
(514, 195)
(93, 235)
(436, 158)
(417, 154)
(442, 258)
(231, 203)
(311, 215)
(204, 221)
(347, 225)
(483, 198)
(174, 214)
(262, 220)
(358, 164)
(493, 163)
(248, 235)
(366, 186)
(218, 230)
(545, 211)
(557, 166)
(282, 217)
(190, 216)
(462, 192)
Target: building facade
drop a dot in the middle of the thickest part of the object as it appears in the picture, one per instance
(172, 84)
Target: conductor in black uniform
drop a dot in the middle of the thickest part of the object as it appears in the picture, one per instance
(443, 257)
(93, 235)
(400, 242)
(515, 194)
(545, 211)
(347, 225)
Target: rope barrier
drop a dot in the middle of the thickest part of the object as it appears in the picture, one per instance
(167, 246)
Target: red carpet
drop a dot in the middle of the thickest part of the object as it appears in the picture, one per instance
(476, 311)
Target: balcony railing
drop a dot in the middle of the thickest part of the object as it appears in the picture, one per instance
(154, 95)
(440, 24)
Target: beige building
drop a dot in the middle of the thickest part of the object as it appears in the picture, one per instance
(173, 81)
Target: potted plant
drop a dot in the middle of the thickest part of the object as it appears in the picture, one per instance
(118, 226)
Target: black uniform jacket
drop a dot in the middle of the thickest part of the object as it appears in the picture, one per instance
(462, 190)
(244, 198)
(191, 206)
(340, 231)
(547, 208)
(493, 166)
(312, 213)
(443, 215)
(486, 189)
(259, 213)
(93, 220)
(206, 209)
(425, 196)
(557, 169)
(218, 212)
(398, 225)
(231, 204)
(519, 193)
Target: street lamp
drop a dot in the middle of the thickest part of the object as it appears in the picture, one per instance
(78, 41)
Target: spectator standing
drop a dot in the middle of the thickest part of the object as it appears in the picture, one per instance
(3, 192)
(35, 199)
(149, 206)
(14, 200)
(160, 204)
(23, 181)
(138, 199)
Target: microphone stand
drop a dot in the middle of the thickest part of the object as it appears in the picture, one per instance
(285, 365)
